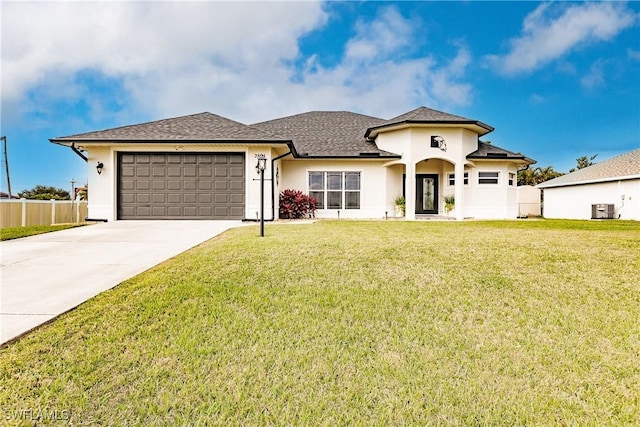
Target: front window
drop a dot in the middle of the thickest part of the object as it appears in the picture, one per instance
(512, 179)
(335, 190)
(451, 179)
(488, 177)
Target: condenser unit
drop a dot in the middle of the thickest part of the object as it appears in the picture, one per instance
(602, 211)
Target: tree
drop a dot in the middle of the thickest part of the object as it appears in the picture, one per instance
(583, 162)
(536, 176)
(41, 192)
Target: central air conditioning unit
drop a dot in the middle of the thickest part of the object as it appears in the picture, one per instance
(603, 211)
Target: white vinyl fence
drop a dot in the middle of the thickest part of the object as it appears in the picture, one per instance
(23, 212)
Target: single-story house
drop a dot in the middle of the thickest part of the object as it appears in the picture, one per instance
(203, 166)
(604, 190)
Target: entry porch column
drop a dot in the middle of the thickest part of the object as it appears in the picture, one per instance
(410, 191)
(459, 190)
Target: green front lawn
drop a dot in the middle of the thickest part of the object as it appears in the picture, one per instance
(32, 230)
(355, 323)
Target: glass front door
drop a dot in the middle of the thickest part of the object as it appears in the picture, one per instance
(426, 194)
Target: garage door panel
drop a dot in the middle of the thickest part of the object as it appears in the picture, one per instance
(174, 198)
(205, 198)
(236, 186)
(181, 185)
(174, 185)
(143, 211)
(221, 171)
(236, 211)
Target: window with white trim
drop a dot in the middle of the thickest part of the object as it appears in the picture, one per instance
(335, 190)
(512, 179)
(451, 179)
(488, 177)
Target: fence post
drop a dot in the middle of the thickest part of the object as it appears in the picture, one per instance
(24, 211)
(53, 211)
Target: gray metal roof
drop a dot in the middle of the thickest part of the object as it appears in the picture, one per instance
(197, 127)
(624, 166)
(327, 134)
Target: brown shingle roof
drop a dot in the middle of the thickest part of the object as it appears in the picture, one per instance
(196, 127)
(490, 151)
(327, 134)
(424, 115)
(624, 166)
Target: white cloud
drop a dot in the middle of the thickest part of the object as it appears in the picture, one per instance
(549, 32)
(235, 59)
(595, 78)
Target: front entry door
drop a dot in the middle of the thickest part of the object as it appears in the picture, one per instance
(426, 194)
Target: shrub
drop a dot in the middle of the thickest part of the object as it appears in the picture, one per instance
(295, 204)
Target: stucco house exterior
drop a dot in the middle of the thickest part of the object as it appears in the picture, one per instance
(203, 166)
(605, 190)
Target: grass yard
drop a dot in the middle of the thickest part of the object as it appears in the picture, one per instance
(32, 230)
(353, 323)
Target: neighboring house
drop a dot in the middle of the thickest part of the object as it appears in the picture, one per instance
(4, 195)
(202, 166)
(609, 189)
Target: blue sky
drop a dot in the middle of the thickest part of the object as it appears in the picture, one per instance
(557, 80)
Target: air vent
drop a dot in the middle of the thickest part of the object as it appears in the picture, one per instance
(602, 211)
(501, 155)
(369, 154)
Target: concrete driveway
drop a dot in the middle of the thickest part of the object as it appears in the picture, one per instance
(46, 275)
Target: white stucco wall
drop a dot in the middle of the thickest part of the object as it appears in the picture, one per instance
(574, 202)
(375, 200)
(103, 188)
(529, 201)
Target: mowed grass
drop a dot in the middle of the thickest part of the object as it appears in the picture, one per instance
(355, 323)
(10, 233)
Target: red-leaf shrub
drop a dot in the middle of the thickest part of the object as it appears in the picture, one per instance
(295, 204)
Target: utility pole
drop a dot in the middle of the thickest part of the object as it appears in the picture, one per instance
(6, 164)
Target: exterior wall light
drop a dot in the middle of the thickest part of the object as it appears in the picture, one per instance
(99, 167)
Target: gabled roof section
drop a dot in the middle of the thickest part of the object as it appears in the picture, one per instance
(201, 127)
(622, 167)
(323, 134)
(487, 151)
(428, 116)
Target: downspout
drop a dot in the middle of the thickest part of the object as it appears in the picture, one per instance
(78, 152)
(273, 184)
